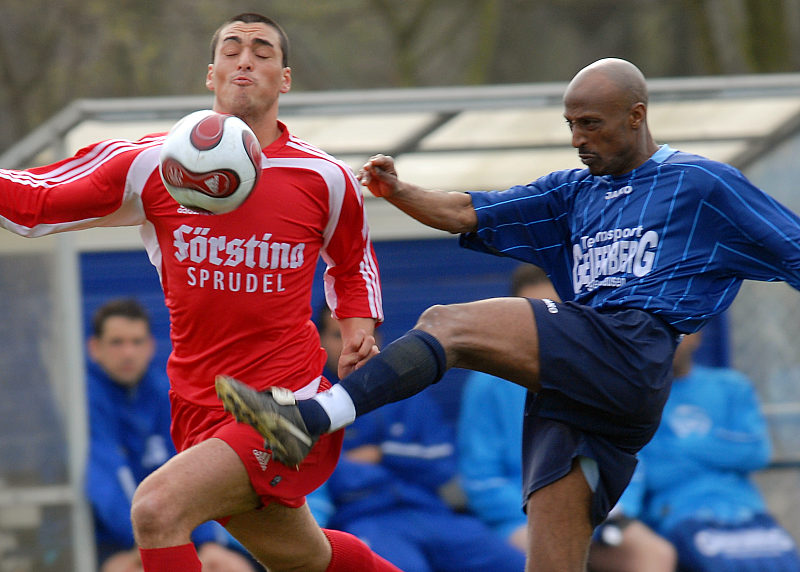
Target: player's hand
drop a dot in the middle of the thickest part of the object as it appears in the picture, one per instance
(379, 176)
(356, 351)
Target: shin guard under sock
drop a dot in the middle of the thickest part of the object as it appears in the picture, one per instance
(170, 559)
(404, 368)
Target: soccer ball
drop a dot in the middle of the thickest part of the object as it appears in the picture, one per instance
(210, 162)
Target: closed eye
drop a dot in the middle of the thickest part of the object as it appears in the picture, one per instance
(588, 123)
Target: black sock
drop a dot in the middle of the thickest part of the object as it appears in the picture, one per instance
(404, 368)
(314, 416)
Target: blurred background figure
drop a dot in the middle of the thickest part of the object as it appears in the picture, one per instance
(490, 464)
(697, 489)
(392, 482)
(129, 422)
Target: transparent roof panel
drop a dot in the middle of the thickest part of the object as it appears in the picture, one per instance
(337, 134)
(544, 126)
(91, 131)
(482, 170)
(371, 133)
(720, 118)
(501, 128)
(481, 148)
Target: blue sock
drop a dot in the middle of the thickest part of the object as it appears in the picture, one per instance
(314, 416)
(404, 368)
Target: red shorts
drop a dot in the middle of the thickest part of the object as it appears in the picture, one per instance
(272, 481)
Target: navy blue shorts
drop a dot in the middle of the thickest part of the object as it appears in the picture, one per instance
(605, 378)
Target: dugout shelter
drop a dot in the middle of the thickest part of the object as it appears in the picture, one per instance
(461, 138)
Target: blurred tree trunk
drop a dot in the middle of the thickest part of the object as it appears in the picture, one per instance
(771, 56)
(727, 29)
(477, 71)
(423, 30)
(748, 36)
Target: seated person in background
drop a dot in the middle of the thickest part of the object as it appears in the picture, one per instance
(490, 464)
(386, 488)
(129, 422)
(697, 489)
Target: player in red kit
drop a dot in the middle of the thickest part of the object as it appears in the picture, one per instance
(238, 290)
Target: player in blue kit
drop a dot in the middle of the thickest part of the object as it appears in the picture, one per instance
(644, 244)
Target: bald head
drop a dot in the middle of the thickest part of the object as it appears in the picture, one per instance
(605, 106)
(618, 78)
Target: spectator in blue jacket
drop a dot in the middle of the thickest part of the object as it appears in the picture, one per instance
(490, 464)
(387, 488)
(129, 422)
(697, 489)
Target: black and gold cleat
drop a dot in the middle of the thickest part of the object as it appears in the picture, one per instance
(273, 413)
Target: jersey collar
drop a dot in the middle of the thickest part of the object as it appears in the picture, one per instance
(661, 155)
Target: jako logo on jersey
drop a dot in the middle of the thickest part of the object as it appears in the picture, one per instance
(197, 245)
(604, 259)
(626, 190)
(262, 457)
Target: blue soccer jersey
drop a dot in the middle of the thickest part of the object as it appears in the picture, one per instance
(674, 237)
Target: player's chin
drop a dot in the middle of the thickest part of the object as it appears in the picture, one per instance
(240, 104)
(596, 167)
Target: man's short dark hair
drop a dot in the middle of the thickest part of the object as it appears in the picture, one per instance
(527, 275)
(125, 307)
(253, 18)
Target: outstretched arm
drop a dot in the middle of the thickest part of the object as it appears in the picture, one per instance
(450, 211)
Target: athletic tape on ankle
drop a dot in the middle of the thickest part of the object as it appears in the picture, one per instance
(338, 405)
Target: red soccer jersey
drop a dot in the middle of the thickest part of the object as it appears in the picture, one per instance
(238, 285)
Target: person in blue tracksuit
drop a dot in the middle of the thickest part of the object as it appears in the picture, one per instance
(129, 423)
(386, 491)
(697, 489)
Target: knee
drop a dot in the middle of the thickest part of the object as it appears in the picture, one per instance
(665, 554)
(459, 330)
(649, 550)
(153, 511)
(440, 321)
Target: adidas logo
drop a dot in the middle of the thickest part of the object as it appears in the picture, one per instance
(262, 457)
(183, 210)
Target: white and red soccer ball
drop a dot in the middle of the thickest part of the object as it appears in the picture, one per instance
(210, 162)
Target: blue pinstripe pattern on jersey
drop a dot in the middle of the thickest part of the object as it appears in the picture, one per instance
(695, 229)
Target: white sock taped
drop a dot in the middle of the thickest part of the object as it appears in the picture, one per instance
(338, 405)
